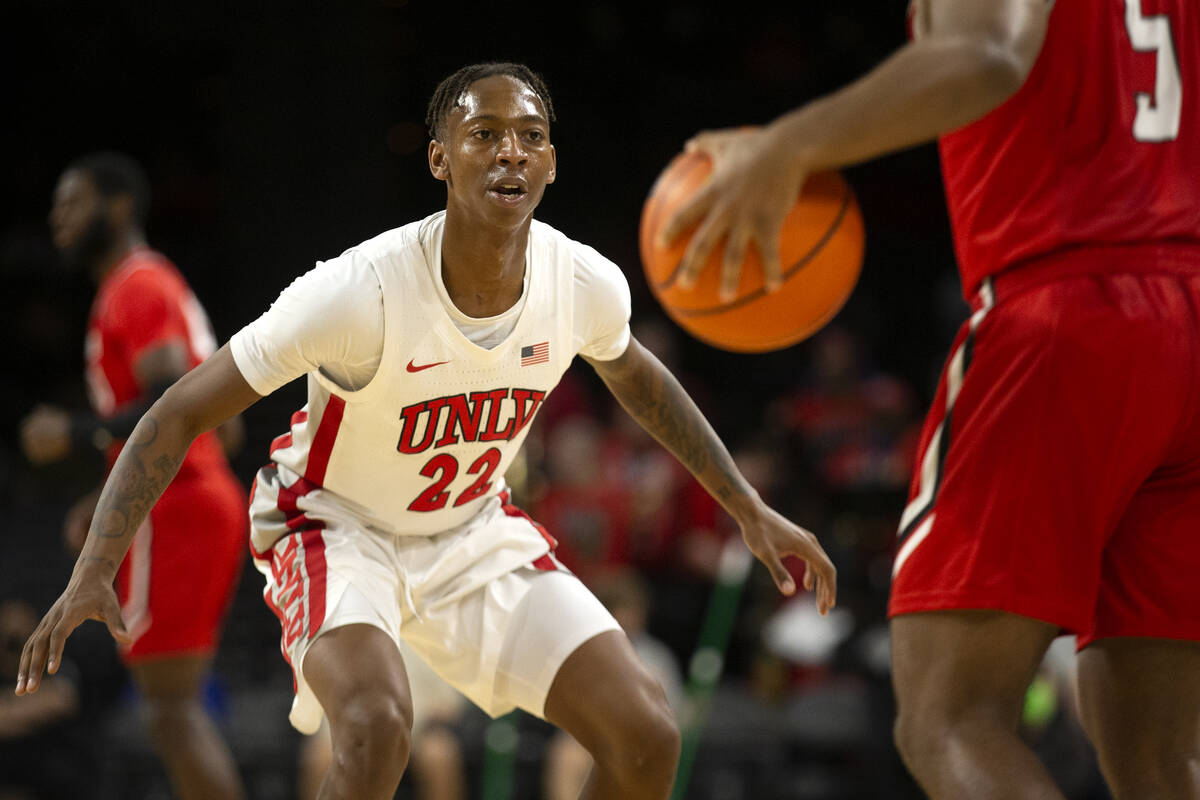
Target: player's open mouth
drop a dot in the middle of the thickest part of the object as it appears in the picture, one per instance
(508, 192)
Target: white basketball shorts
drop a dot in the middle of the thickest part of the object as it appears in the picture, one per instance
(486, 605)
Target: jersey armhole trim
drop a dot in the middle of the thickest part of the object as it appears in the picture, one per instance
(366, 391)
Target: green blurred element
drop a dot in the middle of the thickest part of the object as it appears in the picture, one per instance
(708, 660)
(1041, 703)
(499, 757)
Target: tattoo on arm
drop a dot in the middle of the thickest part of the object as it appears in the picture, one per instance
(100, 560)
(141, 476)
(661, 406)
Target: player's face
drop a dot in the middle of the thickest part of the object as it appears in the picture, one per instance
(497, 158)
(79, 225)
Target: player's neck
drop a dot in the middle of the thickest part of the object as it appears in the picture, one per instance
(483, 269)
(122, 244)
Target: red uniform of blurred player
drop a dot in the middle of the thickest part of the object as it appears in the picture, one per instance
(146, 329)
(1058, 486)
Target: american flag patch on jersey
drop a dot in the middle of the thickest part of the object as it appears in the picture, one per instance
(535, 354)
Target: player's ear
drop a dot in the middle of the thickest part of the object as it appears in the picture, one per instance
(438, 165)
(120, 210)
(553, 165)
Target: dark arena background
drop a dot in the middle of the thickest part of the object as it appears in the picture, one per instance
(278, 134)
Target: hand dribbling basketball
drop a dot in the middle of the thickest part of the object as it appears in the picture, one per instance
(793, 243)
(745, 202)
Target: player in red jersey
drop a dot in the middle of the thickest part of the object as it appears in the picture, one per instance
(1058, 487)
(147, 329)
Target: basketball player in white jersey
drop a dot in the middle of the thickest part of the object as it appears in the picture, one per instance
(383, 515)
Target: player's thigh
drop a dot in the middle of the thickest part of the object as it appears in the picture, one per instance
(171, 679)
(948, 665)
(320, 580)
(1140, 698)
(603, 692)
(357, 669)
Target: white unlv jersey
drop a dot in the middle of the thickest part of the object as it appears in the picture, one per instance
(425, 443)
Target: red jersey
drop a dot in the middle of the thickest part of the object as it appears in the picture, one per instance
(144, 303)
(1101, 146)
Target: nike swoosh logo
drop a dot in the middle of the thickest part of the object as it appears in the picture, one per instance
(414, 368)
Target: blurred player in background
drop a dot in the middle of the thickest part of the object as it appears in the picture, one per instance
(1063, 492)
(145, 331)
(384, 513)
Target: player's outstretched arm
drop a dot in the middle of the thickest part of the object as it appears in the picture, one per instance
(202, 399)
(652, 395)
(966, 58)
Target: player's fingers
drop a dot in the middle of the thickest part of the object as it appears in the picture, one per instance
(826, 583)
(710, 143)
(701, 143)
(772, 268)
(731, 264)
(779, 573)
(699, 248)
(686, 217)
(819, 570)
(58, 639)
(114, 621)
(826, 594)
(33, 661)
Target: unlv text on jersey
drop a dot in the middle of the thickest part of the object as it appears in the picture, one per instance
(465, 417)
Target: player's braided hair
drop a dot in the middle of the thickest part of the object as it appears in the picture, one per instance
(449, 92)
(116, 174)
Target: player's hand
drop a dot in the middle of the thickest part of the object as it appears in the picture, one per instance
(46, 435)
(771, 538)
(79, 520)
(84, 598)
(755, 180)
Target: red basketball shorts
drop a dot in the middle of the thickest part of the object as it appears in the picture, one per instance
(1058, 475)
(176, 583)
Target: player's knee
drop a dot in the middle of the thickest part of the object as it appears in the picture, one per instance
(905, 738)
(168, 719)
(917, 737)
(648, 742)
(372, 729)
(665, 740)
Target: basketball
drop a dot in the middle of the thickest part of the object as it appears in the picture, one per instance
(821, 250)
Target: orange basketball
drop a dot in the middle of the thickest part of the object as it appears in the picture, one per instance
(821, 250)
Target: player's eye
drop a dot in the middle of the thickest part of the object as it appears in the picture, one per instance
(483, 134)
(535, 136)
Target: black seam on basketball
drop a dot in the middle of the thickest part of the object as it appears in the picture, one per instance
(791, 271)
(657, 212)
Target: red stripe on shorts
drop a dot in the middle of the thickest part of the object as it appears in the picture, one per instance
(281, 442)
(314, 566)
(544, 563)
